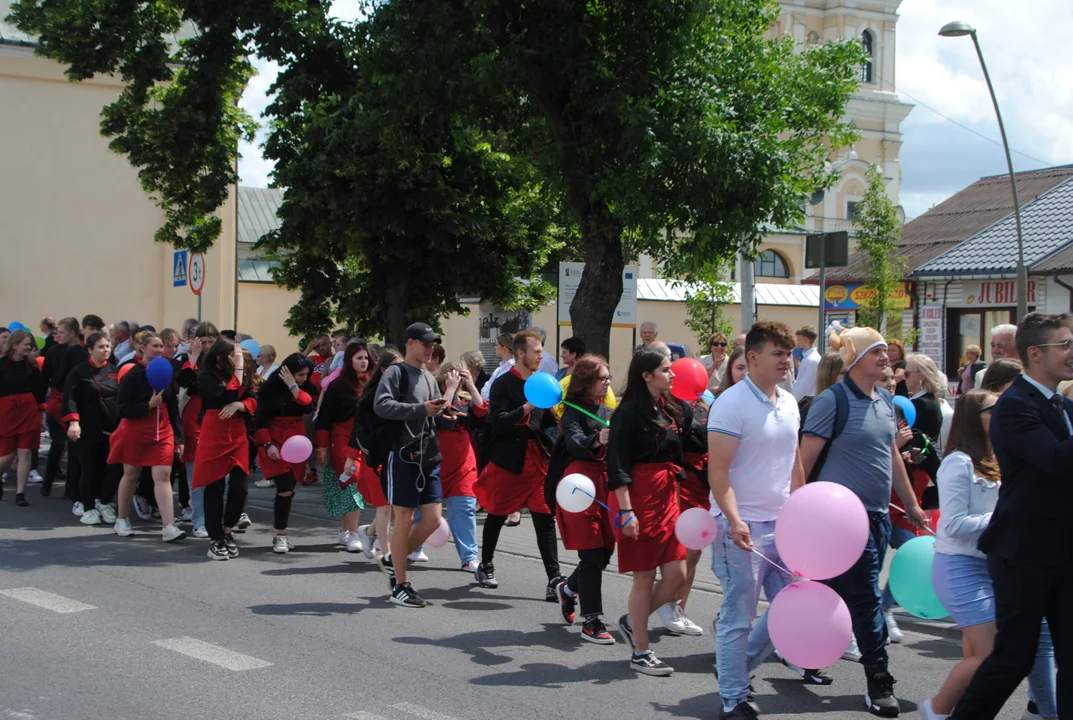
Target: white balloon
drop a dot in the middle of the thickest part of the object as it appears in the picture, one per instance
(575, 493)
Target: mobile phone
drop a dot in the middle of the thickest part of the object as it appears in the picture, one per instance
(439, 401)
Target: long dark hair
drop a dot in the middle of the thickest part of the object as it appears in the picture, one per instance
(388, 357)
(295, 362)
(349, 376)
(967, 434)
(218, 361)
(638, 396)
(583, 380)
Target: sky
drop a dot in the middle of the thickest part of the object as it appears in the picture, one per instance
(951, 137)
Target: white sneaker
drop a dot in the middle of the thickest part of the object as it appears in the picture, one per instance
(107, 512)
(343, 535)
(143, 508)
(122, 527)
(470, 567)
(91, 517)
(893, 631)
(244, 522)
(280, 545)
(927, 712)
(188, 514)
(853, 653)
(35, 477)
(691, 628)
(173, 533)
(353, 543)
(77, 509)
(264, 484)
(200, 532)
(671, 619)
(417, 556)
(367, 542)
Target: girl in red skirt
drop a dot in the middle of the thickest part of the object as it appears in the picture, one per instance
(205, 334)
(359, 466)
(643, 465)
(22, 409)
(582, 447)
(333, 425)
(222, 463)
(148, 436)
(458, 467)
(284, 399)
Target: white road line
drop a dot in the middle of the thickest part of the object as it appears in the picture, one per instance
(364, 716)
(207, 652)
(422, 712)
(47, 600)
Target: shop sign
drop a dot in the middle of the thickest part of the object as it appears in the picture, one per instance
(996, 293)
(931, 332)
(851, 296)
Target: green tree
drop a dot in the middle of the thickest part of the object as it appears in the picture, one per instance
(878, 232)
(706, 296)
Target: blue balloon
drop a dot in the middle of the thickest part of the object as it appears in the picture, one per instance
(158, 372)
(542, 390)
(15, 326)
(250, 345)
(909, 411)
(708, 398)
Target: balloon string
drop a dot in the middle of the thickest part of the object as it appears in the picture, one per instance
(794, 576)
(158, 423)
(586, 412)
(928, 530)
(577, 489)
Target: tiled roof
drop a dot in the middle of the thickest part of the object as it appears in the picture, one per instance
(1059, 261)
(11, 35)
(257, 212)
(1047, 227)
(253, 270)
(958, 218)
(660, 290)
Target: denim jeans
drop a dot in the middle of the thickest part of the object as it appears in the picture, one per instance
(740, 645)
(859, 588)
(1041, 681)
(898, 536)
(197, 499)
(461, 514)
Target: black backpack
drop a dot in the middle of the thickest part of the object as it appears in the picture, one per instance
(841, 417)
(372, 434)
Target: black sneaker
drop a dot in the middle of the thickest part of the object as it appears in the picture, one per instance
(567, 604)
(403, 594)
(880, 699)
(388, 568)
(486, 576)
(626, 630)
(1032, 709)
(20, 500)
(46, 489)
(595, 632)
(648, 664)
(218, 551)
(549, 592)
(231, 545)
(747, 710)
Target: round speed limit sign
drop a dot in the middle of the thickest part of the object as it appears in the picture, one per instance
(196, 275)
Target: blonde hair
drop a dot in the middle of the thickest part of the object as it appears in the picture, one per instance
(827, 371)
(474, 359)
(933, 381)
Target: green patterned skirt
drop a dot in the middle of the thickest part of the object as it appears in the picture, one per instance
(339, 499)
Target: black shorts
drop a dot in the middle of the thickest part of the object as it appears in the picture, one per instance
(407, 485)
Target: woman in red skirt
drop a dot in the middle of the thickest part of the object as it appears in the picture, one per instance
(148, 436)
(583, 442)
(368, 476)
(644, 459)
(222, 463)
(285, 398)
(333, 425)
(205, 334)
(458, 467)
(22, 409)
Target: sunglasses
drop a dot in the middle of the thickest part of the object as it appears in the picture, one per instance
(719, 344)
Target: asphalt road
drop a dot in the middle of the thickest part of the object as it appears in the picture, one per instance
(94, 626)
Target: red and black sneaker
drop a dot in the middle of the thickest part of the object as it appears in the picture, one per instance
(567, 604)
(594, 631)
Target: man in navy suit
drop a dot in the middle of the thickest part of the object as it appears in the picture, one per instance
(1029, 542)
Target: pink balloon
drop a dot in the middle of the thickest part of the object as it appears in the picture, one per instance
(440, 535)
(696, 528)
(296, 449)
(809, 624)
(821, 531)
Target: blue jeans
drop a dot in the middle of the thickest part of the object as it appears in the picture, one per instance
(197, 499)
(740, 645)
(898, 536)
(859, 588)
(1041, 681)
(461, 514)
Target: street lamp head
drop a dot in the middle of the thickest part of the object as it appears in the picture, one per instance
(957, 29)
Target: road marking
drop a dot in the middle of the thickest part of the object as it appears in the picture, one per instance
(364, 716)
(47, 600)
(422, 712)
(207, 652)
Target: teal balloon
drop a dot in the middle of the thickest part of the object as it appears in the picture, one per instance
(910, 579)
(542, 390)
(909, 410)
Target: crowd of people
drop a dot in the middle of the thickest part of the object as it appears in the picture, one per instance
(420, 438)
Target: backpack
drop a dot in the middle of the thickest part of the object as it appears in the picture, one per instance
(841, 417)
(373, 435)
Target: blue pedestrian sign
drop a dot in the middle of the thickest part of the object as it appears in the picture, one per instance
(178, 269)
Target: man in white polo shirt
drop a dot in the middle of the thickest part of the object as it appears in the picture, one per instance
(753, 466)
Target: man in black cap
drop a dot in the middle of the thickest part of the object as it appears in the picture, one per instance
(410, 395)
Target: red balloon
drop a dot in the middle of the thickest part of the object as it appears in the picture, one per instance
(933, 518)
(40, 362)
(690, 379)
(124, 370)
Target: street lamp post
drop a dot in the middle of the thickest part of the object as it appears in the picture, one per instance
(960, 29)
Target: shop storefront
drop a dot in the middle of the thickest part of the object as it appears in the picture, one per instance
(842, 302)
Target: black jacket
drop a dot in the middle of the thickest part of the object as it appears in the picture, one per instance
(635, 440)
(89, 396)
(132, 402)
(509, 428)
(929, 422)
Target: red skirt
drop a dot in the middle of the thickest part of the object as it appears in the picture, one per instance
(279, 430)
(223, 446)
(23, 441)
(54, 406)
(337, 445)
(654, 496)
(369, 486)
(19, 416)
(144, 442)
(590, 529)
(501, 492)
(191, 429)
(693, 492)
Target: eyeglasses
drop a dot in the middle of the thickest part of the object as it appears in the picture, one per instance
(605, 378)
(719, 344)
(1067, 345)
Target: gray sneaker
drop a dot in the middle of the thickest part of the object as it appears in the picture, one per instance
(173, 533)
(122, 527)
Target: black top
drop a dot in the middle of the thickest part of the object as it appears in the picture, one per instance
(579, 432)
(61, 360)
(509, 429)
(91, 393)
(696, 435)
(635, 440)
(481, 379)
(133, 399)
(275, 400)
(214, 393)
(17, 378)
(901, 388)
(929, 422)
(339, 404)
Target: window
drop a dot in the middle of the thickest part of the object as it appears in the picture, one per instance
(851, 210)
(865, 75)
(770, 264)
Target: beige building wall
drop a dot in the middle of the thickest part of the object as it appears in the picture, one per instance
(262, 310)
(76, 229)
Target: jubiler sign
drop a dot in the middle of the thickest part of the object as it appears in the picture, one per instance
(994, 293)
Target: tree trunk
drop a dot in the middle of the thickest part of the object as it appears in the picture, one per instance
(396, 306)
(593, 310)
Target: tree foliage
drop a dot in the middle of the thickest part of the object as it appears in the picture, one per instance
(706, 296)
(878, 231)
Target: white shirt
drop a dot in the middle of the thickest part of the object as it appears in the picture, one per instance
(504, 366)
(805, 385)
(266, 371)
(127, 357)
(337, 361)
(947, 413)
(967, 501)
(978, 381)
(1049, 393)
(715, 377)
(763, 465)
